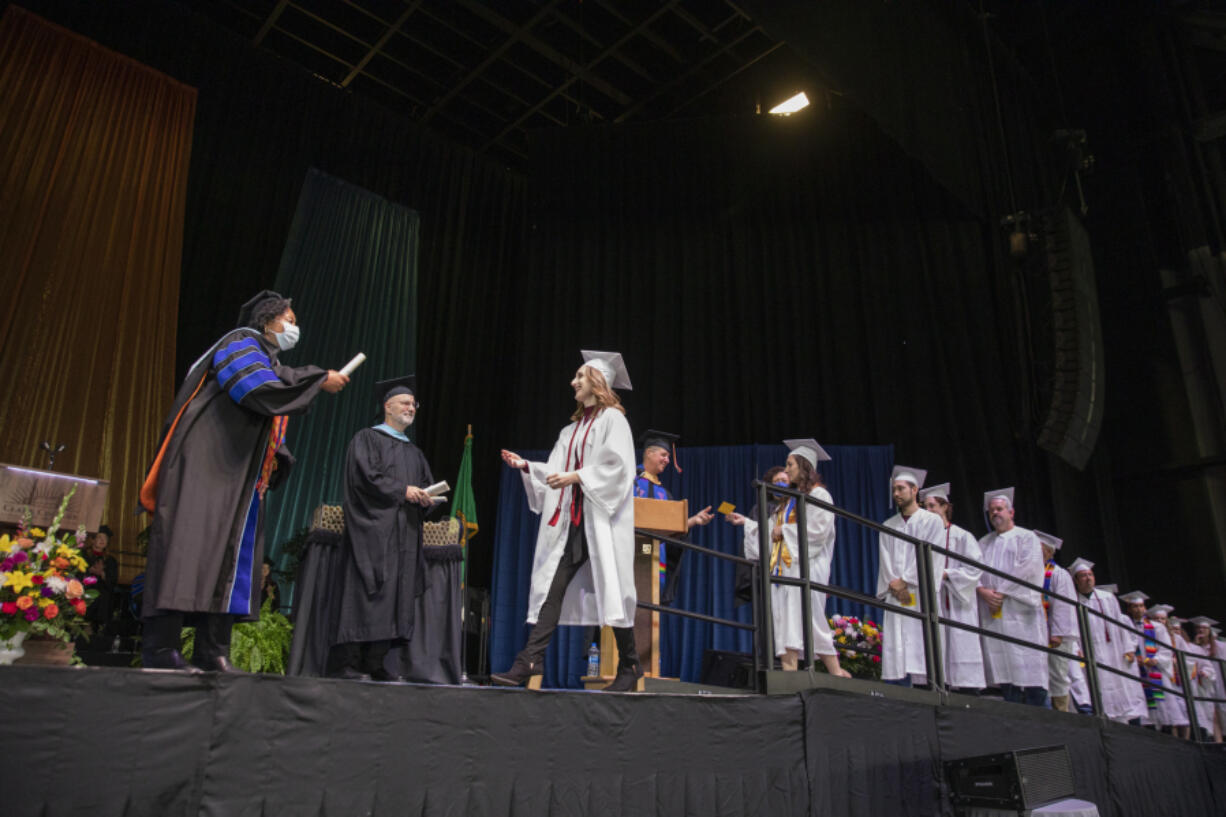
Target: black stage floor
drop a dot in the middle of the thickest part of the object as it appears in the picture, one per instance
(105, 741)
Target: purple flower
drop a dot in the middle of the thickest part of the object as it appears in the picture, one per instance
(48, 592)
(19, 557)
(7, 565)
(32, 614)
(89, 580)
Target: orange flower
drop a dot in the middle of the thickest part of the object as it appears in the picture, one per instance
(24, 602)
(51, 611)
(59, 563)
(75, 589)
(25, 542)
(79, 606)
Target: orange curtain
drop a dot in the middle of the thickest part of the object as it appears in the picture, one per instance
(94, 152)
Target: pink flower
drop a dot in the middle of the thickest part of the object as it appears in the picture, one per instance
(32, 614)
(75, 589)
(90, 580)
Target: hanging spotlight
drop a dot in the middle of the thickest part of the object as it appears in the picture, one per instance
(790, 106)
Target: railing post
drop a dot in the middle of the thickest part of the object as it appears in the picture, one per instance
(1087, 652)
(806, 595)
(1189, 697)
(931, 620)
(755, 599)
(764, 570)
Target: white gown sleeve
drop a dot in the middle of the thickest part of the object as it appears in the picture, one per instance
(607, 476)
(1028, 567)
(961, 578)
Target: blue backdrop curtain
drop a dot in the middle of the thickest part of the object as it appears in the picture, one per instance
(350, 264)
(857, 477)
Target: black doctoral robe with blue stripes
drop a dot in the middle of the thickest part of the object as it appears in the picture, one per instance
(206, 545)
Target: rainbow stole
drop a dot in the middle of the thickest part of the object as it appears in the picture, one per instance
(1153, 694)
(1046, 587)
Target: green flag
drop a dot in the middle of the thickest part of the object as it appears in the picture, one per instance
(463, 503)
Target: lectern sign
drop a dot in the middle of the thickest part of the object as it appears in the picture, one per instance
(43, 491)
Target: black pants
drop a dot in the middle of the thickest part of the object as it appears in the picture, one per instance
(362, 656)
(165, 633)
(574, 556)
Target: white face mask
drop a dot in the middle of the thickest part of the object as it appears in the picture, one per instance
(288, 337)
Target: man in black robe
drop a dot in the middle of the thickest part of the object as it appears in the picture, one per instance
(385, 505)
(222, 448)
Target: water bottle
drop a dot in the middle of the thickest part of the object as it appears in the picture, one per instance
(593, 661)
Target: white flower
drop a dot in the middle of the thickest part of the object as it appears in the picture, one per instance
(57, 583)
(44, 546)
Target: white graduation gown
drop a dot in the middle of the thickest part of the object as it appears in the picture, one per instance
(1172, 711)
(902, 637)
(1162, 664)
(1205, 674)
(1016, 552)
(1061, 623)
(960, 648)
(1110, 644)
(603, 590)
(787, 611)
(1221, 684)
(1136, 690)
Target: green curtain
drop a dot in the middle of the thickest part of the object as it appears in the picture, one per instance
(350, 264)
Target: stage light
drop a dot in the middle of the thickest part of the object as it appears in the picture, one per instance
(789, 106)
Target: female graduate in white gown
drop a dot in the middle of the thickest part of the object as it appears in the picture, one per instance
(787, 610)
(583, 567)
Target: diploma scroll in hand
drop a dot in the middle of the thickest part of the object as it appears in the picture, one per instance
(438, 488)
(357, 361)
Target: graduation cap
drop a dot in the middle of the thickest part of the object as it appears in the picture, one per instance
(1053, 542)
(1135, 597)
(906, 473)
(1080, 565)
(808, 449)
(999, 493)
(611, 365)
(248, 309)
(1160, 608)
(651, 438)
(1204, 621)
(387, 389)
(939, 491)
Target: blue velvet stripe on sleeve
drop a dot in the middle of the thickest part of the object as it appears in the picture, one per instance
(244, 385)
(242, 365)
(237, 347)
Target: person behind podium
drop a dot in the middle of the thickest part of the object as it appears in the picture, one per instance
(385, 505)
(583, 568)
(222, 448)
(787, 611)
(659, 449)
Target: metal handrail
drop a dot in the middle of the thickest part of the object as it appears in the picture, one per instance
(931, 618)
(755, 602)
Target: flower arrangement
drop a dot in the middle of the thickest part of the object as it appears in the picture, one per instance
(859, 645)
(43, 587)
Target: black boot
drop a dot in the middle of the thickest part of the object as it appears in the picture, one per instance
(519, 674)
(161, 641)
(212, 652)
(344, 663)
(629, 671)
(374, 660)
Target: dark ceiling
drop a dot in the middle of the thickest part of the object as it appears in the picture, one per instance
(485, 74)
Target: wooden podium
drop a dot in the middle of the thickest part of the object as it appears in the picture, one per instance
(42, 491)
(661, 517)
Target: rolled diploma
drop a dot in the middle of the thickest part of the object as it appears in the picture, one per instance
(357, 361)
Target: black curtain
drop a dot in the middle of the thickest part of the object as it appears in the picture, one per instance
(769, 277)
